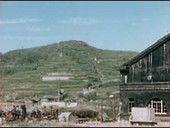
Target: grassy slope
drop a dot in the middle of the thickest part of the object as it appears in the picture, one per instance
(25, 68)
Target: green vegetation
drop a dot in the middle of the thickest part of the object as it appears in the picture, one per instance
(87, 66)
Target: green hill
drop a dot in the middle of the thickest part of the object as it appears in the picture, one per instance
(26, 71)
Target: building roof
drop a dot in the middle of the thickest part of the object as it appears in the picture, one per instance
(148, 50)
(49, 97)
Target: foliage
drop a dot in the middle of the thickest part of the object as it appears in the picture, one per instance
(91, 96)
(85, 113)
(80, 95)
(88, 85)
(7, 71)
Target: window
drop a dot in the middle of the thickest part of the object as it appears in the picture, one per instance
(159, 106)
(131, 104)
(125, 79)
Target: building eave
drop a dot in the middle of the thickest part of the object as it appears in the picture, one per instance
(147, 50)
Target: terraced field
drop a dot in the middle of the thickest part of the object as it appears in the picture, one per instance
(22, 70)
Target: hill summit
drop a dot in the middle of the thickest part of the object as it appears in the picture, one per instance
(72, 63)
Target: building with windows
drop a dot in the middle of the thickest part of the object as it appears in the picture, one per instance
(145, 80)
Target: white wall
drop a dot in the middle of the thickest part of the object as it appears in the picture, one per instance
(53, 78)
(59, 104)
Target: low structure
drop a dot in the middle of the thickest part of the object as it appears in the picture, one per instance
(65, 116)
(59, 104)
(47, 98)
(143, 116)
(55, 78)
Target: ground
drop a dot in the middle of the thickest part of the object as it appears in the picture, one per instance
(53, 123)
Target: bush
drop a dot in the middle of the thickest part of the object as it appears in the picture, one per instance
(85, 113)
(88, 85)
(81, 95)
(91, 96)
(7, 71)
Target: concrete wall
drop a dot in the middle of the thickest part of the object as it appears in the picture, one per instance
(59, 104)
(54, 78)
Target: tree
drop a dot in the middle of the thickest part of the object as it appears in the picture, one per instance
(91, 96)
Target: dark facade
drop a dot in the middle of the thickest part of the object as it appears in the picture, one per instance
(146, 79)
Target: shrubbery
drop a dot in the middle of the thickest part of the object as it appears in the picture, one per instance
(85, 113)
(7, 71)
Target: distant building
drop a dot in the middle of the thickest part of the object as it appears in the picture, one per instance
(54, 76)
(145, 80)
(50, 100)
(47, 98)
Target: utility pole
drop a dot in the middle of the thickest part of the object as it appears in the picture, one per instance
(119, 114)
(58, 90)
(112, 108)
(102, 111)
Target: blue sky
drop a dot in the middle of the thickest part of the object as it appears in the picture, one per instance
(112, 25)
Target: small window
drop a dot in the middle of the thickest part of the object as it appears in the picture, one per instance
(131, 104)
(124, 78)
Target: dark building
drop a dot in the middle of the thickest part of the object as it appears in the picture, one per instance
(145, 80)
